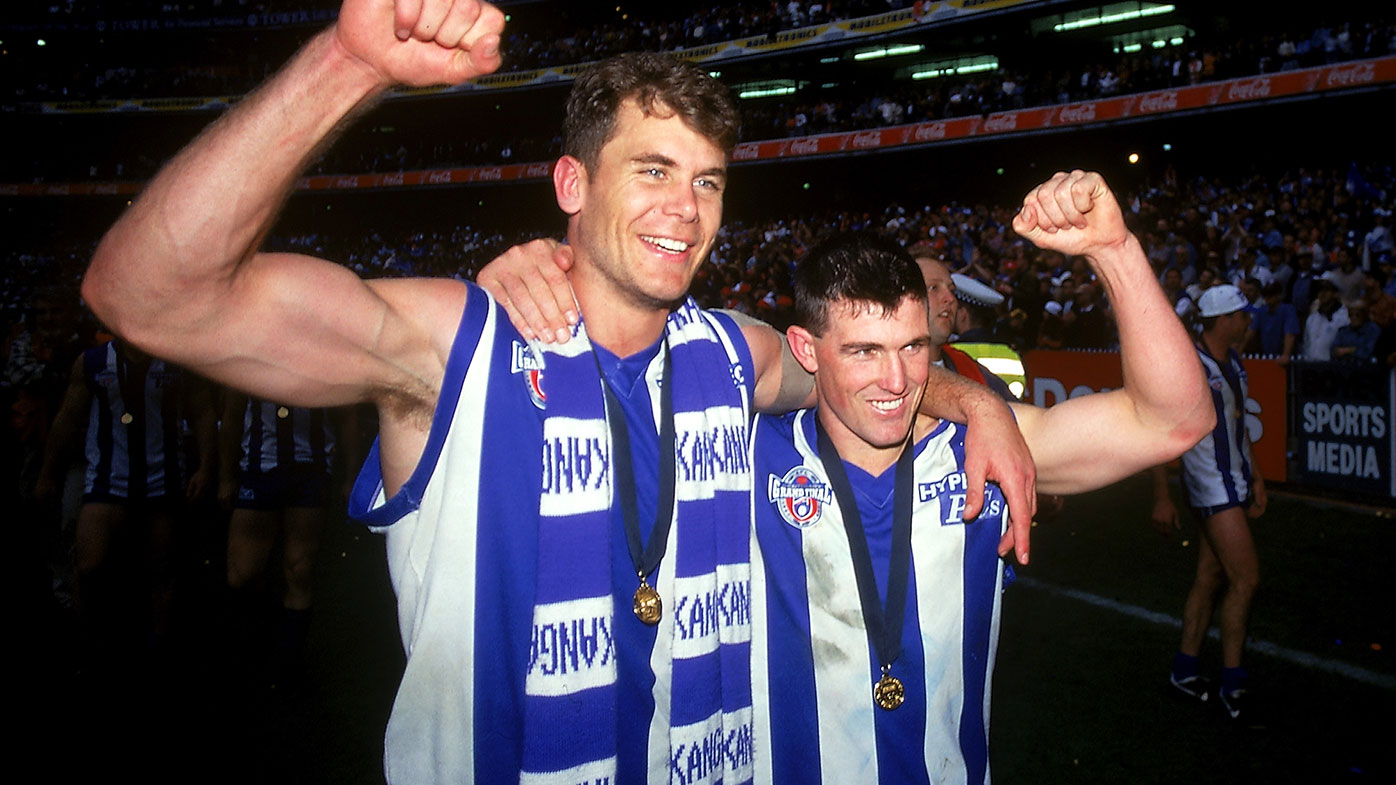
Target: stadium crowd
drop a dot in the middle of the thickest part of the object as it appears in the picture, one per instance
(848, 106)
(1318, 239)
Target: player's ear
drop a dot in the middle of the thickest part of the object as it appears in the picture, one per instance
(802, 346)
(569, 184)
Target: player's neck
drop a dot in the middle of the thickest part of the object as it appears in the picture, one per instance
(613, 320)
(853, 449)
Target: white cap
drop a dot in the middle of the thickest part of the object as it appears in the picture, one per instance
(1221, 300)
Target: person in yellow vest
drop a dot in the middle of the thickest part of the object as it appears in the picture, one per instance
(975, 337)
(945, 312)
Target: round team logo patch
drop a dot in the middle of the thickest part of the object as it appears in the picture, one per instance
(799, 496)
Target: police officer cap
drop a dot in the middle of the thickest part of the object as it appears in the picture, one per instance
(973, 292)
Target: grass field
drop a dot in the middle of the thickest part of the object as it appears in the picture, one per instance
(1088, 634)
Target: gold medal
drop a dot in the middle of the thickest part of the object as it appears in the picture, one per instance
(127, 419)
(283, 412)
(889, 693)
(647, 604)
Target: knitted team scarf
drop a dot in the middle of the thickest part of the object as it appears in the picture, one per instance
(570, 705)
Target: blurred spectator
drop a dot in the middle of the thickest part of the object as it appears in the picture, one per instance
(1276, 325)
(1357, 340)
(1323, 324)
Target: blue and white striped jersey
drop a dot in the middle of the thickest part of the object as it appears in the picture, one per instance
(134, 427)
(1217, 470)
(274, 436)
(813, 666)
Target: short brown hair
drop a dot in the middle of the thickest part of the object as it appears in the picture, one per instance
(858, 267)
(651, 79)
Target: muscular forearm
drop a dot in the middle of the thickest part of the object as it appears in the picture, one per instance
(163, 265)
(950, 396)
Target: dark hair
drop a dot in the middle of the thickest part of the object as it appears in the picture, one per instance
(659, 83)
(857, 266)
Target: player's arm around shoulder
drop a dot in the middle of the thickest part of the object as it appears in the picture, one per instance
(782, 384)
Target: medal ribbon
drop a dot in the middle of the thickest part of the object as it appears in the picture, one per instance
(645, 559)
(884, 629)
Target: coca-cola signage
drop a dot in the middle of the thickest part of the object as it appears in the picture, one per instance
(746, 151)
(1345, 76)
(929, 132)
(867, 139)
(1077, 113)
(1165, 101)
(1248, 89)
(998, 123)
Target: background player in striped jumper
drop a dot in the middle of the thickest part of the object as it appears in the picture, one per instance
(510, 551)
(875, 598)
(1224, 488)
(276, 475)
(140, 414)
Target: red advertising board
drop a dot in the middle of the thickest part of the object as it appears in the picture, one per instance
(1054, 377)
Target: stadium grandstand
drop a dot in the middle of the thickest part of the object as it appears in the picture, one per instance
(1245, 139)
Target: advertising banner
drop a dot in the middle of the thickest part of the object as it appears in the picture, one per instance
(1342, 417)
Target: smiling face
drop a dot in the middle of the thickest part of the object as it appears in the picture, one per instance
(644, 217)
(870, 370)
(940, 294)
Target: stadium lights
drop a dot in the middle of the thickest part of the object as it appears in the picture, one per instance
(972, 68)
(1108, 19)
(1134, 47)
(827, 60)
(766, 92)
(891, 51)
(714, 74)
(41, 42)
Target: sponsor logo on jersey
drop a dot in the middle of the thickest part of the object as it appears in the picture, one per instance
(950, 492)
(523, 362)
(799, 496)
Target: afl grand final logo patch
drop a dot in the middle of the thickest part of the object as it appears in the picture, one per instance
(799, 496)
(523, 362)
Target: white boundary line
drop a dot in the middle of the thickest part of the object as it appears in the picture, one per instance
(1294, 656)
